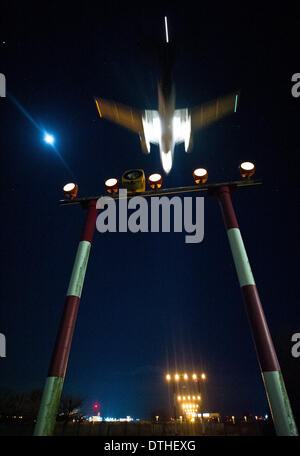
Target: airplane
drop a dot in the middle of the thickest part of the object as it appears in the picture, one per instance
(166, 126)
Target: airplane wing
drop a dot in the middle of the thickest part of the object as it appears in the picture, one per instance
(212, 111)
(121, 114)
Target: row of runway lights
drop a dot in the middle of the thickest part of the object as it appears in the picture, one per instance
(189, 398)
(200, 175)
(177, 377)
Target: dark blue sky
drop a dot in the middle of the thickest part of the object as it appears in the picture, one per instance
(150, 302)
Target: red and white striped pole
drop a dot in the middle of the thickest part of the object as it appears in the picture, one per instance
(272, 377)
(56, 374)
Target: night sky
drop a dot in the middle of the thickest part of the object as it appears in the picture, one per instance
(151, 303)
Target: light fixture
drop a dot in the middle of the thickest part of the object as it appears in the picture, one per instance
(194, 377)
(200, 175)
(168, 377)
(185, 376)
(112, 185)
(203, 376)
(179, 398)
(134, 180)
(247, 169)
(155, 181)
(70, 190)
(176, 377)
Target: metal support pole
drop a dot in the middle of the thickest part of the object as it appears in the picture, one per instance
(272, 377)
(56, 374)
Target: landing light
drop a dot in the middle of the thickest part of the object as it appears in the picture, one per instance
(247, 169)
(70, 190)
(155, 180)
(112, 185)
(200, 175)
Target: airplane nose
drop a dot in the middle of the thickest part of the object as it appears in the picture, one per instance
(166, 159)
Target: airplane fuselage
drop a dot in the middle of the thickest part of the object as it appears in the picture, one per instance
(166, 109)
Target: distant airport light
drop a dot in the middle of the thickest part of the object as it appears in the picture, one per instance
(176, 377)
(168, 377)
(200, 175)
(49, 139)
(247, 169)
(203, 376)
(155, 180)
(185, 376)
(194, 377)
(70, 190)
(112, 185)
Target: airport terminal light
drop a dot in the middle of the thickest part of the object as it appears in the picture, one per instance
(247, 169)
(112, 185)
(70, 190)
(155, 180)
(200, 175)
(277, 395)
